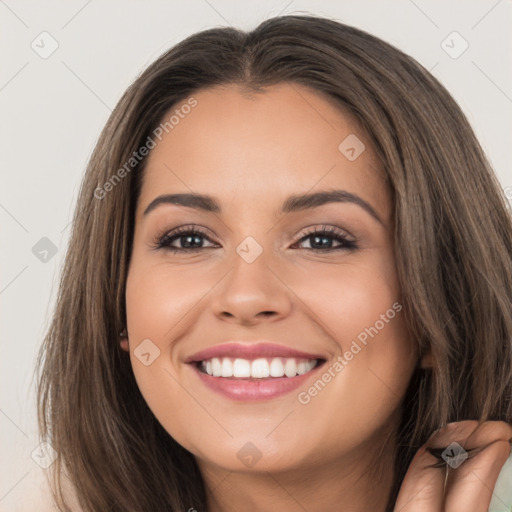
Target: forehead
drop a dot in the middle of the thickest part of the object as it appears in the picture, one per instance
(239, 146)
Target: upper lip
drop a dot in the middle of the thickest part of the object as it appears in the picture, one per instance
(249, 351)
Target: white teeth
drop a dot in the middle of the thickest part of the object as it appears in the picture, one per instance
(241, 368)
(301, 368)
(290, 368)
(216, 367)
(227, 367)
(310, 365)
(276, 368)
(258, 368)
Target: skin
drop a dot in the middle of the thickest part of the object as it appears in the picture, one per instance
(250, 152)
(468, 487)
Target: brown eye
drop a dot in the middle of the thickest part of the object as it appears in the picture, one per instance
(190, 239)
(321, 240)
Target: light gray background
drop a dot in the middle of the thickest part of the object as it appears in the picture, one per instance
(53, 110)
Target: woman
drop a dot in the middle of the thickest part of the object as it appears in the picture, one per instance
(288, 287)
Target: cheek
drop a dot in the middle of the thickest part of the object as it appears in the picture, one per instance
(361, 312)
(352, 301)
(158, 298)
(159, 301)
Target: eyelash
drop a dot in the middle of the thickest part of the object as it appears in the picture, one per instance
(164, 242)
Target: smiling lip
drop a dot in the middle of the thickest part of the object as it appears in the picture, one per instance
(253, 351)
(251, 389)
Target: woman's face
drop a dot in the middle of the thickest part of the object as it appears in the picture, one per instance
(259, 291)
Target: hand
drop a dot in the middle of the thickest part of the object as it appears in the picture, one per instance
(430, 486)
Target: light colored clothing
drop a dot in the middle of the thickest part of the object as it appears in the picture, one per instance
(502, 494)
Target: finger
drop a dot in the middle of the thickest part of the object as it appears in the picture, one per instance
(469, 436)
(423, 486)
(457, 431)
(488, 431)
(422, 489)
(470, 485)
(480, 451)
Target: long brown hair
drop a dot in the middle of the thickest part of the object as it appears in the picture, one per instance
(452, 236)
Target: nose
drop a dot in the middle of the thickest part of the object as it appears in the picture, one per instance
(252, 293)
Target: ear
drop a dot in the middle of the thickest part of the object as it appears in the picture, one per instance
(124, 343)
(426, 362)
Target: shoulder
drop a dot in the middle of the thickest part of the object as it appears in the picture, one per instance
(502, 494)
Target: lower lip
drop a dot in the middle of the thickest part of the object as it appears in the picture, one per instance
(254, 389)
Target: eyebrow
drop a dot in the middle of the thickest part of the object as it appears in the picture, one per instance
(293, 203)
